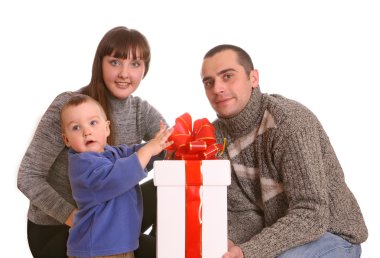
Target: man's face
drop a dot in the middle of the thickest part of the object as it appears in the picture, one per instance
(227, 86)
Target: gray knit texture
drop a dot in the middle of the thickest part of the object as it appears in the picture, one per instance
(287, 186)
(43, 174)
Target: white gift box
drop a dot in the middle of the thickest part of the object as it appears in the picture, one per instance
(170, 179)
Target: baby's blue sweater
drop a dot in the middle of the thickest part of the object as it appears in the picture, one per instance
(105, 188)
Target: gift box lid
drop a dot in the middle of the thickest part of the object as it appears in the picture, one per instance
(172, 172)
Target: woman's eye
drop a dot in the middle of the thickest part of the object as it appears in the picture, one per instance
(115, 62)
(135, 64)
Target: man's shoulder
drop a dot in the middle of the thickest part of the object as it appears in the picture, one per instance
(288, 111)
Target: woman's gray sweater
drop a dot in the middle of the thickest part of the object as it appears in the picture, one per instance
(43, 174)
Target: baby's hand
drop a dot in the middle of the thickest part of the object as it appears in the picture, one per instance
(155, 146)
(160, 141)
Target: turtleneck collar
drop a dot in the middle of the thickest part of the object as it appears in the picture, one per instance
(118, 104)
(247, 119)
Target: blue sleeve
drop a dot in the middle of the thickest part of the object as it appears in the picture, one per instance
(95, 178)
(125, 151)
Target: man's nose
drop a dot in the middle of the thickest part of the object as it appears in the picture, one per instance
(219, 87)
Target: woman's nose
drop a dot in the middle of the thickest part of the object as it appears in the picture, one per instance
(124, 71)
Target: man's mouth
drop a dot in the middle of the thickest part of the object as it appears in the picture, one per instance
(221, 100)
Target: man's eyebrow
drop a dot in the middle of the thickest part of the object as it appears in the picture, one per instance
(226, 70)
(219, 73)
(207, 78)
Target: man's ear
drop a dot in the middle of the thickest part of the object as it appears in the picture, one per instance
(65, 140)
(254, 78)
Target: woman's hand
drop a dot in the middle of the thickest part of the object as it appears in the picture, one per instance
(70, 219)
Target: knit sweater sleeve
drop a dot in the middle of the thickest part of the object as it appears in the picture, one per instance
(42, 152)
(298, 158)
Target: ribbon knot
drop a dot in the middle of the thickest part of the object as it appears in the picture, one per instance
(194, 142)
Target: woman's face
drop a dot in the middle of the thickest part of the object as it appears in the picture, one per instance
(122, 76)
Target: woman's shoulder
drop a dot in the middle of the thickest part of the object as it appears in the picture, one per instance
(67, 95)
(63, 97)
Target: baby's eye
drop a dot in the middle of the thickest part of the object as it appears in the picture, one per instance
(75, 128)
(93, 122)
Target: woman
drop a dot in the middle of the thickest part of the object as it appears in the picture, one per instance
(121, 62)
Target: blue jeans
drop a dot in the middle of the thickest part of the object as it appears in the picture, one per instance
(327, 246)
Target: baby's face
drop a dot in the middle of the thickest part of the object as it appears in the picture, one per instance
(85, 127)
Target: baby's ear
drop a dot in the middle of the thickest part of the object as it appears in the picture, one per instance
(65, 140)
(108, 128)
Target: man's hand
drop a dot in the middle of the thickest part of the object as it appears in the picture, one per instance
(233, 251)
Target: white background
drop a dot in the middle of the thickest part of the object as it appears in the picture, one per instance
(325, 54)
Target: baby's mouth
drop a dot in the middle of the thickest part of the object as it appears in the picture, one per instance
(89, 142)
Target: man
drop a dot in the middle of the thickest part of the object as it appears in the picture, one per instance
(288, 197)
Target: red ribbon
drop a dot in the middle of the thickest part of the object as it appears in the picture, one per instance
(194, 142)
(193, 237)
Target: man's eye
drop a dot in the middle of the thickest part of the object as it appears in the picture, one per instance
(208, 84)
(227, 76)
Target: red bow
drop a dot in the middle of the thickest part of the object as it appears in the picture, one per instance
(195, 143)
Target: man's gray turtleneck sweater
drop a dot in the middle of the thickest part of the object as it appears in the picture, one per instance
(287, 187)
